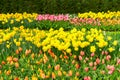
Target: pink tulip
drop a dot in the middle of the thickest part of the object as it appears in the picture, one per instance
(103, 52)
(110, 72)
(98, 61)
(86, 69)
(108, 57)
(106, 52)
(80, 58)
(103, 61)
(87, 78)
(94, 68)
(91, 64)
(82, 53)
(92, 54)
(118, 61)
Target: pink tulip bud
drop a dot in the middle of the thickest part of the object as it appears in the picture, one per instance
(94, 68)
(87, 78)
(86, 69)
(80, 58)
(110, 72)
(118, 61)
(91, 64)
(92, 54)
(82, 53)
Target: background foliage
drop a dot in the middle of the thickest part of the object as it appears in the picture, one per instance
(58, 6)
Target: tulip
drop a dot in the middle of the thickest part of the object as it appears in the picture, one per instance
(118, 61)
(15, 59)
(108, 57)
(86, 69)
(87, 78)
(91, 64)
(20, 49)
(57, 67)
(82, 53)
(98, 61)
(16, 78)
(9, 59)
(8, 72)
(17, 51)
(75, 57)
(26, 78)
(110, 72)
(59, 73)
(103, 52)
(70, 73)
(77, 66)
(106, 52)
(53, 75)
(103, 61)
(16, 65)
(92, 54)
(77, 74)
(3, 62)
(94, 68)
(80, 58)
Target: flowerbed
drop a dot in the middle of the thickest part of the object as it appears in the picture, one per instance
(58, 54)
(106, 21)
(66, 47)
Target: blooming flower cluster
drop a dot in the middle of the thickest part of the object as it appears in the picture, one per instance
(85, 21)
(60, 39)
(33, 54)
(53, 17)
(17, 17)
(100, 15)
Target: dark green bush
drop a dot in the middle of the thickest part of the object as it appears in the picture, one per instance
(58, 6)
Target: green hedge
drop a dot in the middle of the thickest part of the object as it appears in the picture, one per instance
(58, 6)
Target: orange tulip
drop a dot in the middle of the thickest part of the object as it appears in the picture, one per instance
(16, 78)
(9, 59)
(8, 72)
(57, 67)
(0, 72)
(3, 62)
(53, 75)
(77, 74)
(59, 73)
(26, 78)
(77, 66)
(17, 51)
(20, 49)
(16, 64)
(15, 59)
(70, 73)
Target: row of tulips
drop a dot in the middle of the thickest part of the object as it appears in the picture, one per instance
(32, 54)
(90, 18)
(59, 17)
(100, 15)
(60, 39)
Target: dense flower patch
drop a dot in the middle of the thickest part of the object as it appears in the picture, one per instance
(69, 47)
(59, 17)
(58, 54)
